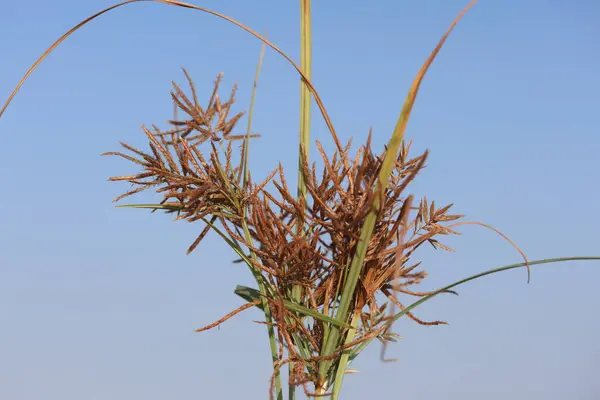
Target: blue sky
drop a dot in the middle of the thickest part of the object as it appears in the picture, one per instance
(101, 303)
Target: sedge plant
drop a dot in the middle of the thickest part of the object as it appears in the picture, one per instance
(329, 257)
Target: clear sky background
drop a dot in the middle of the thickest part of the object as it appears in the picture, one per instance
(100, 303)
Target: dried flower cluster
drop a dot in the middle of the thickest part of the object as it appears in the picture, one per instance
(288, 242)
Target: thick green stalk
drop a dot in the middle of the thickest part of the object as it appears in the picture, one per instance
(305, 103)
(304, 143)
(344, 359)
(334, 338)
(305, 96)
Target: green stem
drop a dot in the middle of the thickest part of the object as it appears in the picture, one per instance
(305, 103)
(244, 162)
(255, 272)
(267, 310)
(263, 292)
(344, 359)
(350, 284)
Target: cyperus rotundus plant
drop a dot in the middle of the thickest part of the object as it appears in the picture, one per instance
(329, 257)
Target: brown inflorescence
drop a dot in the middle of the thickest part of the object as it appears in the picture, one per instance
(209, 187)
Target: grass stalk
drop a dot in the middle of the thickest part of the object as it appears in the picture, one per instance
(246, 154)
(256, 273)
(305, 103)
(304, 142)
(344, 359)
(305, 97)
(268, 316)
(334, 338)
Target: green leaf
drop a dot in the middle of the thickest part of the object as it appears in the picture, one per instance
(408, 309)
(250, 294)
(489, 272)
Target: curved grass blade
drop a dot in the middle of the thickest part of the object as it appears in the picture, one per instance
(231, 242)
(347, 360)
(414, 305)
(489, 272)
(509, 240)
(305, 79)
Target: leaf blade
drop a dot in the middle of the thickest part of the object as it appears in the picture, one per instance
(250, 295)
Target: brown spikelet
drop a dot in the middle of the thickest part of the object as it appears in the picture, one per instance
(228, 316)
